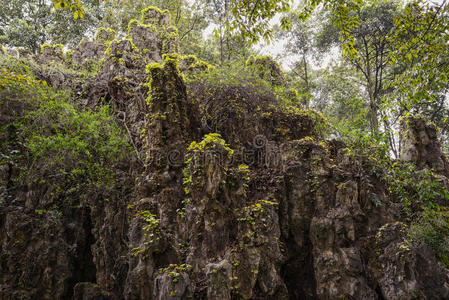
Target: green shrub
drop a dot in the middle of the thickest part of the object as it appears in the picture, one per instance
(267, 68)
(240, 80)
(55, 143)
(234, 74)
(414, 188)
(419, 191)
(405, 183)
(16, 65)
(433, 230)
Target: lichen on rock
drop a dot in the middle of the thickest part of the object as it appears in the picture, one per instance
(420, 145)
(226, 191)
(267, 68)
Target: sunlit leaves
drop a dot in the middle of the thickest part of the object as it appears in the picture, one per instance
(76, 6)
(31, 23)
(342, 14)
(251, 18)
(422, 43)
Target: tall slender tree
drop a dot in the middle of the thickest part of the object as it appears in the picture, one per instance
(373, 49)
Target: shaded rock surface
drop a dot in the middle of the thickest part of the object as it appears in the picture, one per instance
(230, 201)
(421, 146)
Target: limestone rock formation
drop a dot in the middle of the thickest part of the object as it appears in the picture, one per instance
(51, 53)
(267, 68)
(403, 273)
(223, 199)
(420, 145)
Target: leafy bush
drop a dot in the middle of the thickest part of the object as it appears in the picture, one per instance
(406, 184)
(433, 229)
(53, 142)
(413, 187)
(239, 75)
(419, 191)
(235, 73)
(16, 65)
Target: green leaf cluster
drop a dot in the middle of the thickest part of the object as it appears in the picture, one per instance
(31, 23)
(432, 229)
(52, 141)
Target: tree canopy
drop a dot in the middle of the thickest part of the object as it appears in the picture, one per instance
(32, 23)
(390, 57)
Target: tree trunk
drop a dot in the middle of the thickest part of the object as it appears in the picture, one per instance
(306, 79)
(373, 120)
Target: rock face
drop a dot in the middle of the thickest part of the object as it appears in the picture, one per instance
(266, 67)
(420, 145)
(51, 53)
(232, 200)
(404, 272)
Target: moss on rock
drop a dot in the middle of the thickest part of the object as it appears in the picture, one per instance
(267, 68)
(154, 15)
(104, 35)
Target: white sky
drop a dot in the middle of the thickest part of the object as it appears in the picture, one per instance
(277, 47)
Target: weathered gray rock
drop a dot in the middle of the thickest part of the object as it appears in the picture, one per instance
(35, 259)
(192, 217)
(90, 291)
(172, 286)
(87, 51)
(219, 278)
(407, 272)
(51, 53)
(420, 145)
(12, 52)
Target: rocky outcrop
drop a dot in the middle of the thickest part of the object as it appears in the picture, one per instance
(51, 53)
(421, 146)
(267, 68)
(230, 197)
(403, 272)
